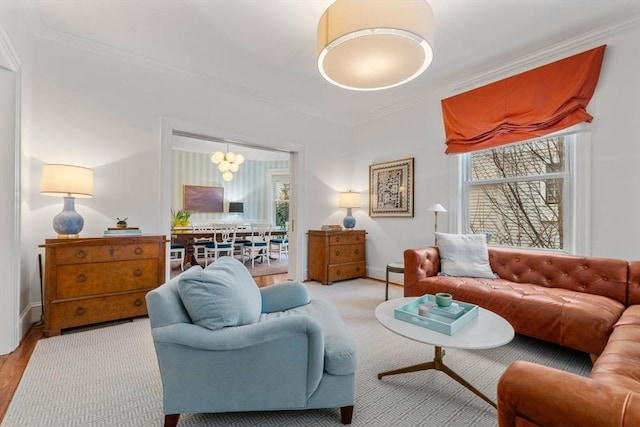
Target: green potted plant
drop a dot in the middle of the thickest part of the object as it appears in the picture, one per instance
(180, 218)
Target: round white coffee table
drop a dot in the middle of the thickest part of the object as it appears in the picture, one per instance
(488, 330)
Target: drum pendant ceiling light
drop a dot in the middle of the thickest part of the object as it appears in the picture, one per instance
(375, 44)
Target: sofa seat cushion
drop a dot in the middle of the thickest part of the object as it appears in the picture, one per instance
(339, 348)
(577, 320)
(224, 294)
(619, 363)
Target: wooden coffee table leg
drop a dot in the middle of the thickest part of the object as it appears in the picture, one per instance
(438, 365)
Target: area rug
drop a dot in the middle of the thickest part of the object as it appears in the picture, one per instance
(109, 376)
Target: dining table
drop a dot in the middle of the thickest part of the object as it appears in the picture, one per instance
(187, 236)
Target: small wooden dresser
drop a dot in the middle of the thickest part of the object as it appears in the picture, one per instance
(92, 280)
(336, 255)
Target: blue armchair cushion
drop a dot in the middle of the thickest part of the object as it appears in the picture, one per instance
(224, 294)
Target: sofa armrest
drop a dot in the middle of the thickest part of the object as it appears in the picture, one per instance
(283, 296)
(420, 263)
(549, 397)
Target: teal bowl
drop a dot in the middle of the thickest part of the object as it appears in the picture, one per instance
(443, 299)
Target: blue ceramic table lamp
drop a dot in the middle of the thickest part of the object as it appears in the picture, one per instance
(349, 200)
(69, 182)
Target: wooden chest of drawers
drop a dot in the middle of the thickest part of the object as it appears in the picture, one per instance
(92, 280)
(336, 255)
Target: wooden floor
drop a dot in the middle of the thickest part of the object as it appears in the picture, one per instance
(12, 365)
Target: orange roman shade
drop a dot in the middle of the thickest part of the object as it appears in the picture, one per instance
(527, 105)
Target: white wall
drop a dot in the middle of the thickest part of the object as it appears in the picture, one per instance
(96, 110)
(101, 110)
(418, 132)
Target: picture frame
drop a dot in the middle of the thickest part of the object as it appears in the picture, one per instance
(391, 188)
(202, 198)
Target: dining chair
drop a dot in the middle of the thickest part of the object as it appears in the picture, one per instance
(280, 245)
(258, 245)
(200, 243)
(176, 253)
(224, 236)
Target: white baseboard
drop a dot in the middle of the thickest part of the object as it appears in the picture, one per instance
(30, 315)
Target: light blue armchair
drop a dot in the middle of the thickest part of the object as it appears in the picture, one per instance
(225, 345)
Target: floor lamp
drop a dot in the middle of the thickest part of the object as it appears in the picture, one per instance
(435, 209)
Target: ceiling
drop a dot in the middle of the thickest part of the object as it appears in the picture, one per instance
(267, 48)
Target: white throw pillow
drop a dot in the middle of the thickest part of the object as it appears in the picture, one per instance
(464, 255)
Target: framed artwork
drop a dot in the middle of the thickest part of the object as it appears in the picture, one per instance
(200, 198)
(391, 189)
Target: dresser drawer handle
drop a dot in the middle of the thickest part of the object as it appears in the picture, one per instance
(137, 272)
(337, 253)
(337, 238)
(137, 302)
(338, 272)
(80, 311)
(81, 278)
(357, 252)
(138, 250)
(81, 254)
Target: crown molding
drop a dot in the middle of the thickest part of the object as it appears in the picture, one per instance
(446, 85)
(219, 85)
(8, 56)
(552, 53)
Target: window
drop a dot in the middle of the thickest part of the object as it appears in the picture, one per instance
(281, 190)
(519, 194)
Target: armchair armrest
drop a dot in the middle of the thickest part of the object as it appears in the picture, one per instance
(290, 348)
(283, 296)
(550, 397)
(240, 337)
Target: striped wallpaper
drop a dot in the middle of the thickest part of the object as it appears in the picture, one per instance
(250, 185)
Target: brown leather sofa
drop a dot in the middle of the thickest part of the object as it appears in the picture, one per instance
(530, 394)
(586, 303)
(568, 300)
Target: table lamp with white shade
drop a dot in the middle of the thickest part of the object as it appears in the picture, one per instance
(69, 182)
(436, 208)
(349, 200)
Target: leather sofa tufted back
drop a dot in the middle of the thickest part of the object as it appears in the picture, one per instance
(598, 276)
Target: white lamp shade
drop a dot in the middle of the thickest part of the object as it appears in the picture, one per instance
(374, 44)
(436, 208)
(349, 200)
(66, 180)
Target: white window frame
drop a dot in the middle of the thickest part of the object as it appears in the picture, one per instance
(275, 176)
(577, 191)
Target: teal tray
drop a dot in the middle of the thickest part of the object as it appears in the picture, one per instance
(409, 313)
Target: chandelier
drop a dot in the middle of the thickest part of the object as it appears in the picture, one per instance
(228, 163)
(374, 44)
